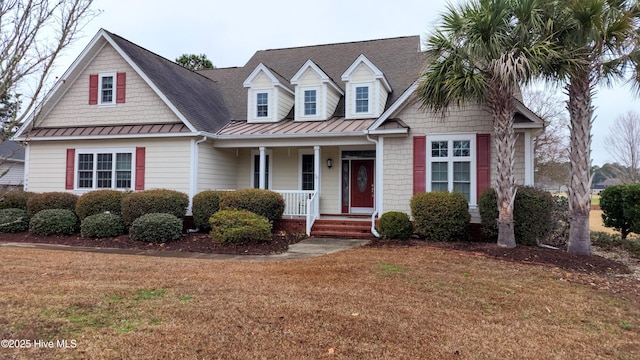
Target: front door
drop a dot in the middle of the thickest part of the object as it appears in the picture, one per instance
(362, 184)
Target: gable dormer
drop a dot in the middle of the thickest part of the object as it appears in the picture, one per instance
(317, 95)
(269, 99)
(367, 90)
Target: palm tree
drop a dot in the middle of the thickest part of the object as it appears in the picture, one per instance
(482, 52)
(600, 38)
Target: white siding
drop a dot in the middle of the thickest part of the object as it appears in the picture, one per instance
(216, 168)
(15, 174)
(142, 104)
(167, 162)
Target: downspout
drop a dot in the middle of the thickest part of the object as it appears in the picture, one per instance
(194, 171)
(377, 185)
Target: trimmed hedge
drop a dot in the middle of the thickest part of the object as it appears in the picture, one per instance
(51, 200)
(99, 201)
(156, 227)
(166, 201)
(54, 222)
(102, 225)
(533, 214)
(395, 225)
(15, 199)
(266, 203)
(205, 204)
(441, 216)
(239, 226)
(13, 221)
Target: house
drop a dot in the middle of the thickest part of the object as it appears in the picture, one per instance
(11, 164)
(335, 128)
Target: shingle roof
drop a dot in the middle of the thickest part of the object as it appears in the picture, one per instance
(11, 150)
(197, 97)
(398, 58)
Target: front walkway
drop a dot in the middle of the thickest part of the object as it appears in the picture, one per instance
(306, 248)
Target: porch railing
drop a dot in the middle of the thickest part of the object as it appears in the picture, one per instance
(303, 203)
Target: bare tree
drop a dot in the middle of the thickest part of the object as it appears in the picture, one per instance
(33, 33)
(551, 147)
(623, 144)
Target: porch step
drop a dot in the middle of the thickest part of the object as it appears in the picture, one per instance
(339, 228)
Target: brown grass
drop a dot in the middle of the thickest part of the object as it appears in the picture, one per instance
(595, 222)
(367, 303)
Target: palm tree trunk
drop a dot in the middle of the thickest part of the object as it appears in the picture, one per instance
(580, 91)
(500, 102)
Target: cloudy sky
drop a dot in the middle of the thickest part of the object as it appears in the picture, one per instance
(229, 32)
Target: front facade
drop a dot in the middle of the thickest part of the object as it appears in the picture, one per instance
(335, 128)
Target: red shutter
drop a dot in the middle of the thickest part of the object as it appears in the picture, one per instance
(93, 89)
(483, 162)
(71, 160)
(140, 160)
(419, 164)
(121, 86)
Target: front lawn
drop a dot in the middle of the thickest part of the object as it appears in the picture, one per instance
(367, 303)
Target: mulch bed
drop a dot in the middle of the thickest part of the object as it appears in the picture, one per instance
(194, 242)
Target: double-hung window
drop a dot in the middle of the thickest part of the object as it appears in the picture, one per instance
(451, 164)
(104, 169)
(107, 88)
(308, 168)
(310, 102)
(362, 99)
(262, 105)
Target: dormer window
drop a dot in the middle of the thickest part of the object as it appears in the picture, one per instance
(269, 96)
(262, 105)
(107, 88)
(362, 99)
(310, 104)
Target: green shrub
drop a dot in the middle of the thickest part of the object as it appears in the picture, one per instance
(51, 200)
(488, 209)
(532, 214)
(441, 216)
(102, 225)
(15, 199)
(266, 203)
(145, 202)
(54, 222)
(99, 201)
(239, 226)
(205, 204)
(612, 204)
(156, 227)
(608, 241)
(395, 225)
(13, 221)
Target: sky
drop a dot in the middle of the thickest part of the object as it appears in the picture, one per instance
(229, 32)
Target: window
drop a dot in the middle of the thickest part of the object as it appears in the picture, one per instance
(107, 88)
(99, 170)
(310, 102)
(256, 171)
(451, 163)
(308, 166)
(362, 99)
(262, 104)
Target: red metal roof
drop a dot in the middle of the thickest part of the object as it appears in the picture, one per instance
(108, 130)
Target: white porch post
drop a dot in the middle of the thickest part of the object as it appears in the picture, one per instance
(263, 167)
(316, 175)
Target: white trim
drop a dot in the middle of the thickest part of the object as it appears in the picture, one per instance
(395, 106)
(324, 78)
(27, 163)
(103, 150)
(450, 159)
(255, 153)
(193, 173)
(354, 114)
(528, 159)
(319, 106)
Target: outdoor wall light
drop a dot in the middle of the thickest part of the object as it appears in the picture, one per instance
(329, 163)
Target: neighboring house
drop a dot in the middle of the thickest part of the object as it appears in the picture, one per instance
(335, 128)
(11, 163)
